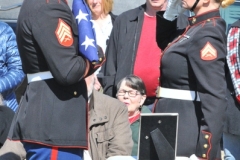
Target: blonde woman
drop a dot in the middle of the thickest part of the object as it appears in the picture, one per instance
(103, 21)
(193, 77)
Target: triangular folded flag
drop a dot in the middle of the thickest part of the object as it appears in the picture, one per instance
(87, 38)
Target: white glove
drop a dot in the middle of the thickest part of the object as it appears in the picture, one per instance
(174, 8)
(194, 157)
(121, 158)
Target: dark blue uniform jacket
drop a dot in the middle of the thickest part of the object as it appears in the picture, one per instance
(53, 111)
(195, 61)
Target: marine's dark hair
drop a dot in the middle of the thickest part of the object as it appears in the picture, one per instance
(133, 82)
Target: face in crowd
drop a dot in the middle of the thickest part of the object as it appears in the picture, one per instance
(95, 6)
(205, 5)
(156, 4)
(132, 92)
(99, 7)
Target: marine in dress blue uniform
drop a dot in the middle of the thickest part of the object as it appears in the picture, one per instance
(193, 72)
(53, 108)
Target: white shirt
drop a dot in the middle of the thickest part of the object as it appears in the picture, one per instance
(103, 34)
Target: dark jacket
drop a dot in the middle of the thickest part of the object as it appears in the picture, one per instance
(232, 124)
(195, 61)
(6, 116)
(122, 48)
(109, 129)
(113, 17)
(52, 111)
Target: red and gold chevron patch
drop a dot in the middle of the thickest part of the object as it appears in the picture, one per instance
(208, 52)
(64, 33)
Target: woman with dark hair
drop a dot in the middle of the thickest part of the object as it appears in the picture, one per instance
(134, 99)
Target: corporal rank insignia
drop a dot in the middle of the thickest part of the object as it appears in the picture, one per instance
(208, 52)
(64, 33)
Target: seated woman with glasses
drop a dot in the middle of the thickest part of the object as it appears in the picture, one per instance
(131, 91)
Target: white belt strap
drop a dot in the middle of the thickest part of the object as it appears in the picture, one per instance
(177, 94)
(39, 76)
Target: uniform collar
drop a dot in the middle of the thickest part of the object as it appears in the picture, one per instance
(136, 12)
(203, 17)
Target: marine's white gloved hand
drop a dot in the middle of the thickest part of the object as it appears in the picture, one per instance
(174, 8)
(121, 158)
(194, 157)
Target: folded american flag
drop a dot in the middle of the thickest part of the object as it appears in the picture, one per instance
(87, 38)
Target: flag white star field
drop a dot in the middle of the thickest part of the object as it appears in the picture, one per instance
(87, 38)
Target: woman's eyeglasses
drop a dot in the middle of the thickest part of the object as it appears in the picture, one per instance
(131, 93)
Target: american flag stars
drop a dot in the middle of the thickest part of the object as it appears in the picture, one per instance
(81, 16)
(86, 33)
(88, 42)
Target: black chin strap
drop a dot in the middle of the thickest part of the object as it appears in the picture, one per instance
(194, 6)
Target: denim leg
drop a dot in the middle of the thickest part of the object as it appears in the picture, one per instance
(231, 146)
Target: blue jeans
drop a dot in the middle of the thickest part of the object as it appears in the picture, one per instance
(41, 152)
(231, 146)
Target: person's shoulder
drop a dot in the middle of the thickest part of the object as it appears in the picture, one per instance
(236, 24)
(217, 28)
(113, 16)
(145, 110)
(182, 21)
(5, 31)
(211, 28)
(132, 13)
(4, 26)
(217, 22)
(110, 101)
(6, 111)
